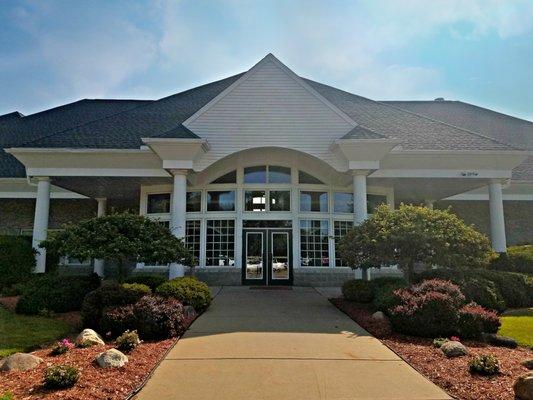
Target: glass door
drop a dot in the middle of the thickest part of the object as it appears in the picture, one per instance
(280, 258)
(254, 257)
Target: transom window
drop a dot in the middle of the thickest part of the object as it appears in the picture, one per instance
(230, 177)
(304, 177)
(254, 200)
(221, 200)
(342, 202)
(314, 243)
(158, 203)
(313, 201)
(267, 174)
(373, 201)
(267, 200)
(194, 201)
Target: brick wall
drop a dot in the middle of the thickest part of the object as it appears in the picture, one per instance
(518, 217)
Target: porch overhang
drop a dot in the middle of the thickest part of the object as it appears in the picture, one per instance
(177, 153)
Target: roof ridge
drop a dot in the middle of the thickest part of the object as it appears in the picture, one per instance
(453, 126)
(120, 112)
(494, 111)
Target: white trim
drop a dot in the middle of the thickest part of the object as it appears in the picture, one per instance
(462, 152)
(117, 172)
(441, 173)
(13, 150)
(33, 195)
(269, 57)
(485, 197)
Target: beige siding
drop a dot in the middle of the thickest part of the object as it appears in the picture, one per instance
(270, 108)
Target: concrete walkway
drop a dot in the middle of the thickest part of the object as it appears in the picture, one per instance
(282, 344)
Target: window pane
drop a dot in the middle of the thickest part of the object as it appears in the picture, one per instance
(255, 174)
(220, 243)
(373, 201)
(192, 238)
(280, 200)
(341, 228)
(194, 201)
(279, 174)
(314, 243)
(342, 202)
(313, 201)
(158, 203)
(254, 200)
(221, 200)
(230, 177)
(304, 177)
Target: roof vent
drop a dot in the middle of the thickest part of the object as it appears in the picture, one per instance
(439, 99)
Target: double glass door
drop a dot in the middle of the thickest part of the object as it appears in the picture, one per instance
(267, 257)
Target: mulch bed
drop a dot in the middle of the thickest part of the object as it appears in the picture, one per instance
(9, 302)
(452, 375)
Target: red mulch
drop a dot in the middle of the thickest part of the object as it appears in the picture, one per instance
(9, 302)
(452, 374)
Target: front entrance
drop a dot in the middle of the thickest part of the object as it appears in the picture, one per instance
(267, 256)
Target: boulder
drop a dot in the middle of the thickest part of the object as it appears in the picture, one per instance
(111, 358)
(379, 316)
(502, 341)
(20, 362)
(523, 387)
(453, 349)
(88, 336)
(528, 363)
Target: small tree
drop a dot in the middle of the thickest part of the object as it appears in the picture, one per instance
(120, 238)
(413, 234)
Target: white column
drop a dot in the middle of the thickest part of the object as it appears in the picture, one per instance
(99, 264)
(360, 206)
(359, 197)
(497, 219)
(40, 222)
(177, 215)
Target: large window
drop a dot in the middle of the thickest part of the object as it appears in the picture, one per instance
(158, 203)
(267, 174)
(220, 243)
(313, 201)
(314, 243)
(192, 238)
(342, 202)
(254, 200)
(340, 228)
(194, 201)
(221, 200)
(374, 200)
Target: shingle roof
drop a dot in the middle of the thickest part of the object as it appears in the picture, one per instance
(16, 129)
(504, 128)
(360, 132)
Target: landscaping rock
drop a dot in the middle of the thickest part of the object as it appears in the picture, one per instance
(523, 387)
(111, 358)
(20, 362)
(502, 341)
(379, 316)
(453, 349)
(89, 336)
(528, 363)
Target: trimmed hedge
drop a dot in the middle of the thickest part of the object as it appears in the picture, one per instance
(358, 290)
(152, 281)
(152, 316)
(474, 320)
(517, 259)
(112, 295)
(189, 290)
(17, 260)
(56, 293)
(515, 289)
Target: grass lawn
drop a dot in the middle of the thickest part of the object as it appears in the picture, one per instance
(518, 324)
(19, 333)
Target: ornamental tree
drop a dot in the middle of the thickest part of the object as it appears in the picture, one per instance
(411, 235)
(122, 239)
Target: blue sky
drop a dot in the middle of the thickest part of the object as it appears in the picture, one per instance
(53, 52)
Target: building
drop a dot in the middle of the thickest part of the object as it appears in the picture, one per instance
(264, 171)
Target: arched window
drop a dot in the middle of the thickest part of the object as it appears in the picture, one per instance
(304, 177)
(230, 177)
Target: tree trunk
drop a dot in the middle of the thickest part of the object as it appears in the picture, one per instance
(410, 273)
(120, 270)
(364, 273)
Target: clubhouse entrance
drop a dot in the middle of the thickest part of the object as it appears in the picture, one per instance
(267, 253)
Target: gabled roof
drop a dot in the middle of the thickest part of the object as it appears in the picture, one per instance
(504, 128)
(360, 132)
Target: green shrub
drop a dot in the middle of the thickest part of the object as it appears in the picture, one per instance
(474, 320)
(358, 290)
(140, 288)
(56, 293)
(112, 295)
(517, 259)
(153, 317)
(389, 280)
(189, 290)
(127, 341)
(61, 376)
(384, 298)
(15, 290)
(438, 342)
(152, 281)
(483, 292)
(7, 396)
(484, 365)
(17, 260)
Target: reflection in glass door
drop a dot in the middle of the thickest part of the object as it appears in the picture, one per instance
(254, 255)
(280, 255)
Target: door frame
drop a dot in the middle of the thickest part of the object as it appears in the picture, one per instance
(267, 279)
